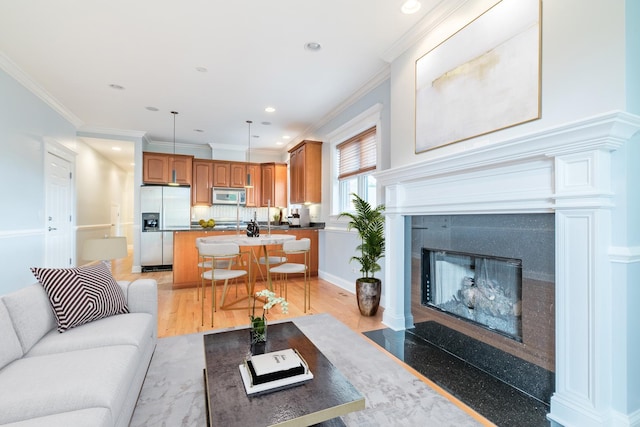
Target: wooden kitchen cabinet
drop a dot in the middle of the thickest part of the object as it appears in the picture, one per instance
(238, 175)
(254, 193)
(274, 184)
(157, 168)
(202, 182)
(229, 174)
(305, 160)
(221, 174)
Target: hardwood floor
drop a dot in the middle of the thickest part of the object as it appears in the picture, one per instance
(179, 311)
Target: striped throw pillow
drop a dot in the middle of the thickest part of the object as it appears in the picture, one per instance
(81, 295)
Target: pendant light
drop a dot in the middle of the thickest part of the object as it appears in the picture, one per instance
(174, 175)
(248, 184)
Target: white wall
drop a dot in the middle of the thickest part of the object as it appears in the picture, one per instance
(24, 123)
(337, 246)
(583, 71)
(99, 185)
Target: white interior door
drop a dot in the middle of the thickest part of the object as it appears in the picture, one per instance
(115, 220)
(59, 215)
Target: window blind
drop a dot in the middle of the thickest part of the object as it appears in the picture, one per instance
(357, 154)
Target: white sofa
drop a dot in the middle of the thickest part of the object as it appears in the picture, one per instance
(90, 375)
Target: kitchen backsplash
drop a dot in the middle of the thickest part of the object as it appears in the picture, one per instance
(225, 213)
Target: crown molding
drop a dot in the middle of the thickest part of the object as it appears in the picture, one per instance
(12, 69)
(112, 133)
(375, 81)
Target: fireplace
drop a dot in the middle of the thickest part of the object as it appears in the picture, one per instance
(484, 290)
(581, 174)
(489, 276)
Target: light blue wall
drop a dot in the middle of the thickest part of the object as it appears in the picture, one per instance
(24, 123)
(336, 246)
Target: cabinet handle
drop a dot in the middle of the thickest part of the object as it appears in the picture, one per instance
(52, 228)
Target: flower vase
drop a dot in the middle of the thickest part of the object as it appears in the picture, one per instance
(258, 330)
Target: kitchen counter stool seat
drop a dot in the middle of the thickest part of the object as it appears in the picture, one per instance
(282, 271)
(223, 256)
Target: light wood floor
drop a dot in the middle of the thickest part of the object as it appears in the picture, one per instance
(179, 311)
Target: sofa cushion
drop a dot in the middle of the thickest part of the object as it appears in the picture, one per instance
(123, 329)
(9, 342)
(81, 295)
(30, 313)
(94, 417)
(65, 382)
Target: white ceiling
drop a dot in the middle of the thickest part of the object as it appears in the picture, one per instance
(253, 53)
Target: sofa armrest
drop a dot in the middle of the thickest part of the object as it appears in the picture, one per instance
(142, 296)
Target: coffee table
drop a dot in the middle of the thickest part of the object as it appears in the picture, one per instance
(320, 401)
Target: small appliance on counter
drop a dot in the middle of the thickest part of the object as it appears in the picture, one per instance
(294, 219)
(305, 220)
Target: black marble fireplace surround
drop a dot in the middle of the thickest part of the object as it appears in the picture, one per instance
(509, 381)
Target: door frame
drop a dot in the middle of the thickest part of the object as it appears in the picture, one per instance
(52, 146)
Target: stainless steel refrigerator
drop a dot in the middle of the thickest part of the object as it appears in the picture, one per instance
(164, 210)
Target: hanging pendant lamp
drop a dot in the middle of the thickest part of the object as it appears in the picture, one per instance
(248, 184)
(174, 175)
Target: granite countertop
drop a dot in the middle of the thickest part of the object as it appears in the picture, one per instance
(263, 227)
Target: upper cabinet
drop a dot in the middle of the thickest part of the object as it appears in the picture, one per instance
(202, 182)
(229, 174)
(238, 175)
(157, 168)
(221, 174)
(305, 161)
(254, 192)
(274, 185)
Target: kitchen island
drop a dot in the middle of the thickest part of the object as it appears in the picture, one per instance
(185, 253)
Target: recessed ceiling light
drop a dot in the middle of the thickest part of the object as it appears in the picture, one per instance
(116, 148)
(279, 143)
(269, 109)
(313, 46)
(410, 6)
(286, 137)
(116, 87)
(151, 108)
(201, 69)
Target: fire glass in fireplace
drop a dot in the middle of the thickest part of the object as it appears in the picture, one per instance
(485, 290)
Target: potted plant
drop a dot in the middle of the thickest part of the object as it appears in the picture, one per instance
(258, 328)
(369, 223)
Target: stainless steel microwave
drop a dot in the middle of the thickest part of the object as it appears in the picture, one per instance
(229, 196)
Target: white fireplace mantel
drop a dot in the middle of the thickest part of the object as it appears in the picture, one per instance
(566, 170)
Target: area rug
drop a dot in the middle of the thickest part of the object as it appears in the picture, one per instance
(173, 391)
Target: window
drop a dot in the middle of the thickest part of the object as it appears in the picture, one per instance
(356, 160)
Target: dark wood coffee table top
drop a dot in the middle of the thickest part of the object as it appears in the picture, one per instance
(327, 396)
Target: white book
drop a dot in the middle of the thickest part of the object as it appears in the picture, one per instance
(275, 361)
(271, 386)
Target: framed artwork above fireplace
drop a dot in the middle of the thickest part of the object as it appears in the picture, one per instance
(483, 78)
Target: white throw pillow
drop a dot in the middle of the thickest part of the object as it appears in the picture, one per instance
(30, 313)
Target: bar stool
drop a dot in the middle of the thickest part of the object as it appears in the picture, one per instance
(223, 256)
(282, 271)
(206, 263)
